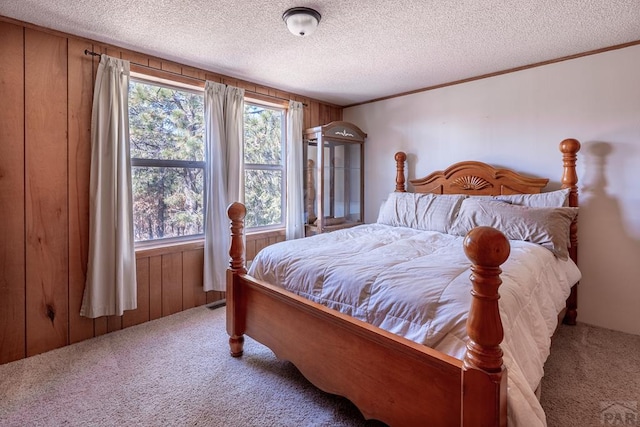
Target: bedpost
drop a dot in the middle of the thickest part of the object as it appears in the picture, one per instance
(484, 377)
(236, 311)
(400, 157)
(569, 149)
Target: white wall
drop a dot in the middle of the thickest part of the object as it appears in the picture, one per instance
(517, 120)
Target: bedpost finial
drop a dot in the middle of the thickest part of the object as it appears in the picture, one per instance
(478, 240)
(487, 248)
(236, 211)
(569, 146)
(401, 156)
(569, 149)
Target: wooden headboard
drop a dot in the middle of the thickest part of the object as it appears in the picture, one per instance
(477, 178)
(473, 178)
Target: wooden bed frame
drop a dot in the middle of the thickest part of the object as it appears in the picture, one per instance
(390, 378)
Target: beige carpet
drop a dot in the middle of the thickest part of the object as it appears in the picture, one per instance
(592, 378)
(176, 371)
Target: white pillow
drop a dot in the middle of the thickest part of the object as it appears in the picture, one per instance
(399, 210)
(551, 199)
(548, 227)
(431, 212)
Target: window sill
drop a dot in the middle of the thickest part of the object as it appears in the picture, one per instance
(257, 234)
(149, 249)
(146, 250)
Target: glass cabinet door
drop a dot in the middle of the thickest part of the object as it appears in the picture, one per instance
(341, 186)
(333, 180)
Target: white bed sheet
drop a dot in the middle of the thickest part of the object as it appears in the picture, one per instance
(416, 284)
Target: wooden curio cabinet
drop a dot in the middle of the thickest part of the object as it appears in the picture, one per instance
(333, 177)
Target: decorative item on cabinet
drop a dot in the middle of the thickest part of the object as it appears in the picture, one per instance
(334, 177)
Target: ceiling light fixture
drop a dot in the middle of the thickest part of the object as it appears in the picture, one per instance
(301, 21)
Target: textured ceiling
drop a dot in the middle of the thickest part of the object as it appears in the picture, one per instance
(361, 51)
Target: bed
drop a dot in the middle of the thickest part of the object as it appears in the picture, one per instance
(389, 377)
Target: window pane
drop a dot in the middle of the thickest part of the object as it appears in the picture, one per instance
(263, 197)
(262, 135)
(167, 202)
(165, 123)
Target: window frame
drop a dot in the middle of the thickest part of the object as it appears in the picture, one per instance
(281, 167)
(164, 163)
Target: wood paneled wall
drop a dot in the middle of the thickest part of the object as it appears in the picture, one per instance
(46, 89)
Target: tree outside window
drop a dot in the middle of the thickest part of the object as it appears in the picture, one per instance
(264, 165)
(167, 160)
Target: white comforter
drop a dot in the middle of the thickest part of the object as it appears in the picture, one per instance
(416, 284)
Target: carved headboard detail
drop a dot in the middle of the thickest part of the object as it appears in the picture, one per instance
(477, 178)
(468, 182)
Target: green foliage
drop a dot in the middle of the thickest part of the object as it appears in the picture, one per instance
(166, 124)
(264, 168)
(263, 197)
(262, 135)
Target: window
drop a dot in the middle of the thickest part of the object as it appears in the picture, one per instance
(166, 127)
(264, 165)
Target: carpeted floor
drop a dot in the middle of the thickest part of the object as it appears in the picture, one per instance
(176, 371)
(592, 378)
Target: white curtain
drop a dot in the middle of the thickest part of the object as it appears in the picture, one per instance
(111, 270)
(224, 179)
(295, 190)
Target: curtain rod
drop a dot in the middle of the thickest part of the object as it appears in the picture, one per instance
(89, 52)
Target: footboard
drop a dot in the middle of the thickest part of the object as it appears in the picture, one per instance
(387, 377)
